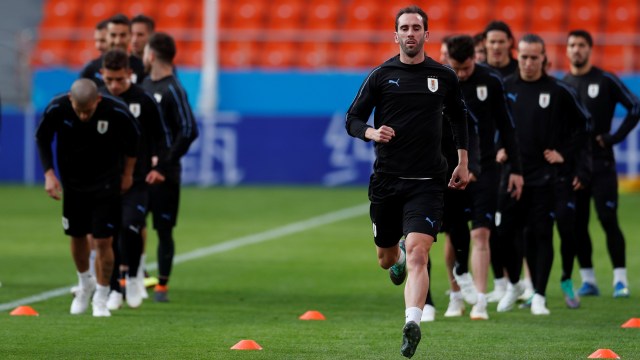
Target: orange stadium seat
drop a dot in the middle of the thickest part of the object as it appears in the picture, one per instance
(621, 16)
(471, 16)
(175, 14)
(248, 14)
(315, 55)
(60, 14)
(189, 53)
(383, 51)
(512, 12)
(616, 58)
(94, 11)
(322, 15)
(81, 52)
(557, 56)
(277, 55)
(439, 15)
(547, 16)
(236, 54)
(132, 8)
(356, 55)
(362, 15)
(433, 50)
(285, 15)
(50, 52)
(584, 14)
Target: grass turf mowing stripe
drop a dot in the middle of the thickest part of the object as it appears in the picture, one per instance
(222, 247)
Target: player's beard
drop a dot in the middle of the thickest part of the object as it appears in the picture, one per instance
(419, 47)
(579, 63)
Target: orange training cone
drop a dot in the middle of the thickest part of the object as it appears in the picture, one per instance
(24, 311)
(246, 345)
(312, 315)
(604, 354)
(632, 323)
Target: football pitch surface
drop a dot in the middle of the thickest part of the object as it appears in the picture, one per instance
(251, 260)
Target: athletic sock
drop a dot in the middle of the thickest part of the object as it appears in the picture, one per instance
(84, 278)
(413, 314)
(620, 275)
(588, 276)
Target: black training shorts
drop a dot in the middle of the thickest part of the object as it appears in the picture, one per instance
(163, 203)
(96, 213)
(402, 206)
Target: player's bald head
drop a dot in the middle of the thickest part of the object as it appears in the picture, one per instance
(83, 92)
(84, 98)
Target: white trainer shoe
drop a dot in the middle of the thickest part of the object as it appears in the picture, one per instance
(114, 302)
(468, 289)
(428, 313)
(499, 290)
(81, 298)
(510, 298)
(538, 305)
(100, 306)
(528, 290)
(134, 295)
(479, 312)
(455, 308)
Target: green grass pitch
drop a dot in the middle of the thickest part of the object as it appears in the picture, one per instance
(292, 259)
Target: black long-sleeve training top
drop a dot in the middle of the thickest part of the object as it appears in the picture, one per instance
(485, 97)
(90, 155)
(548, 115)
(179, 118)
(155, 137)
(600, 91)
(411, 100)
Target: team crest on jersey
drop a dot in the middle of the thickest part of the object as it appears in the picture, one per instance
(103, 126)
(544, 100)
(481, 92)
(65, 223)
(433, 84)
(593, 90)
(135, 109)
(134, 78)
(158, 97)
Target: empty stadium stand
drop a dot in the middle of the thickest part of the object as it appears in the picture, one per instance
(319, 34)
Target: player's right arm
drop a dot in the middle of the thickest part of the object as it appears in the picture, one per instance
(360, 110)
(44, 138)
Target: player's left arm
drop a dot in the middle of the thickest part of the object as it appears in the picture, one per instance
(621, 94)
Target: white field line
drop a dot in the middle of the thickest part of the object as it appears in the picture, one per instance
(221, 247)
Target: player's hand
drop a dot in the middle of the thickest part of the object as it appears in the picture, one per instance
(127, 182)
(154, 177)
(459, 178)
(52, 185)
(154, 161)
(516, 182)
(600, 141)
(553, 157)
(577, 185)
(384, 134)
(501, 156)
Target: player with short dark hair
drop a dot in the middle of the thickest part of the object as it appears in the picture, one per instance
(600, 91)
(155, 138)
(484, 94)
(118, 37)
(409, 93)
(480, 49)
(552, 132)
(165, 197)
(96, 148)
(142, 27)
(499, 42)
(100, 36)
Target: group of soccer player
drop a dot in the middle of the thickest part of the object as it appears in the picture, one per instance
(121, 131)
(545, 149)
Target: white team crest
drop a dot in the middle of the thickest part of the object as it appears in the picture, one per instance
(481, 92)
(433, 84)
(593, 90)
(103, 125)
(544, 100)
(65, 223)
(158, 97)
(135, 109)
(134, 78)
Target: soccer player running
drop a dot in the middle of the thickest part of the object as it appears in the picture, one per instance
(97, 141)
(409, 93)
(484, 94)
(155, 138)
(600, 91)
(118, 37)
(165, 197)
(551, 128)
